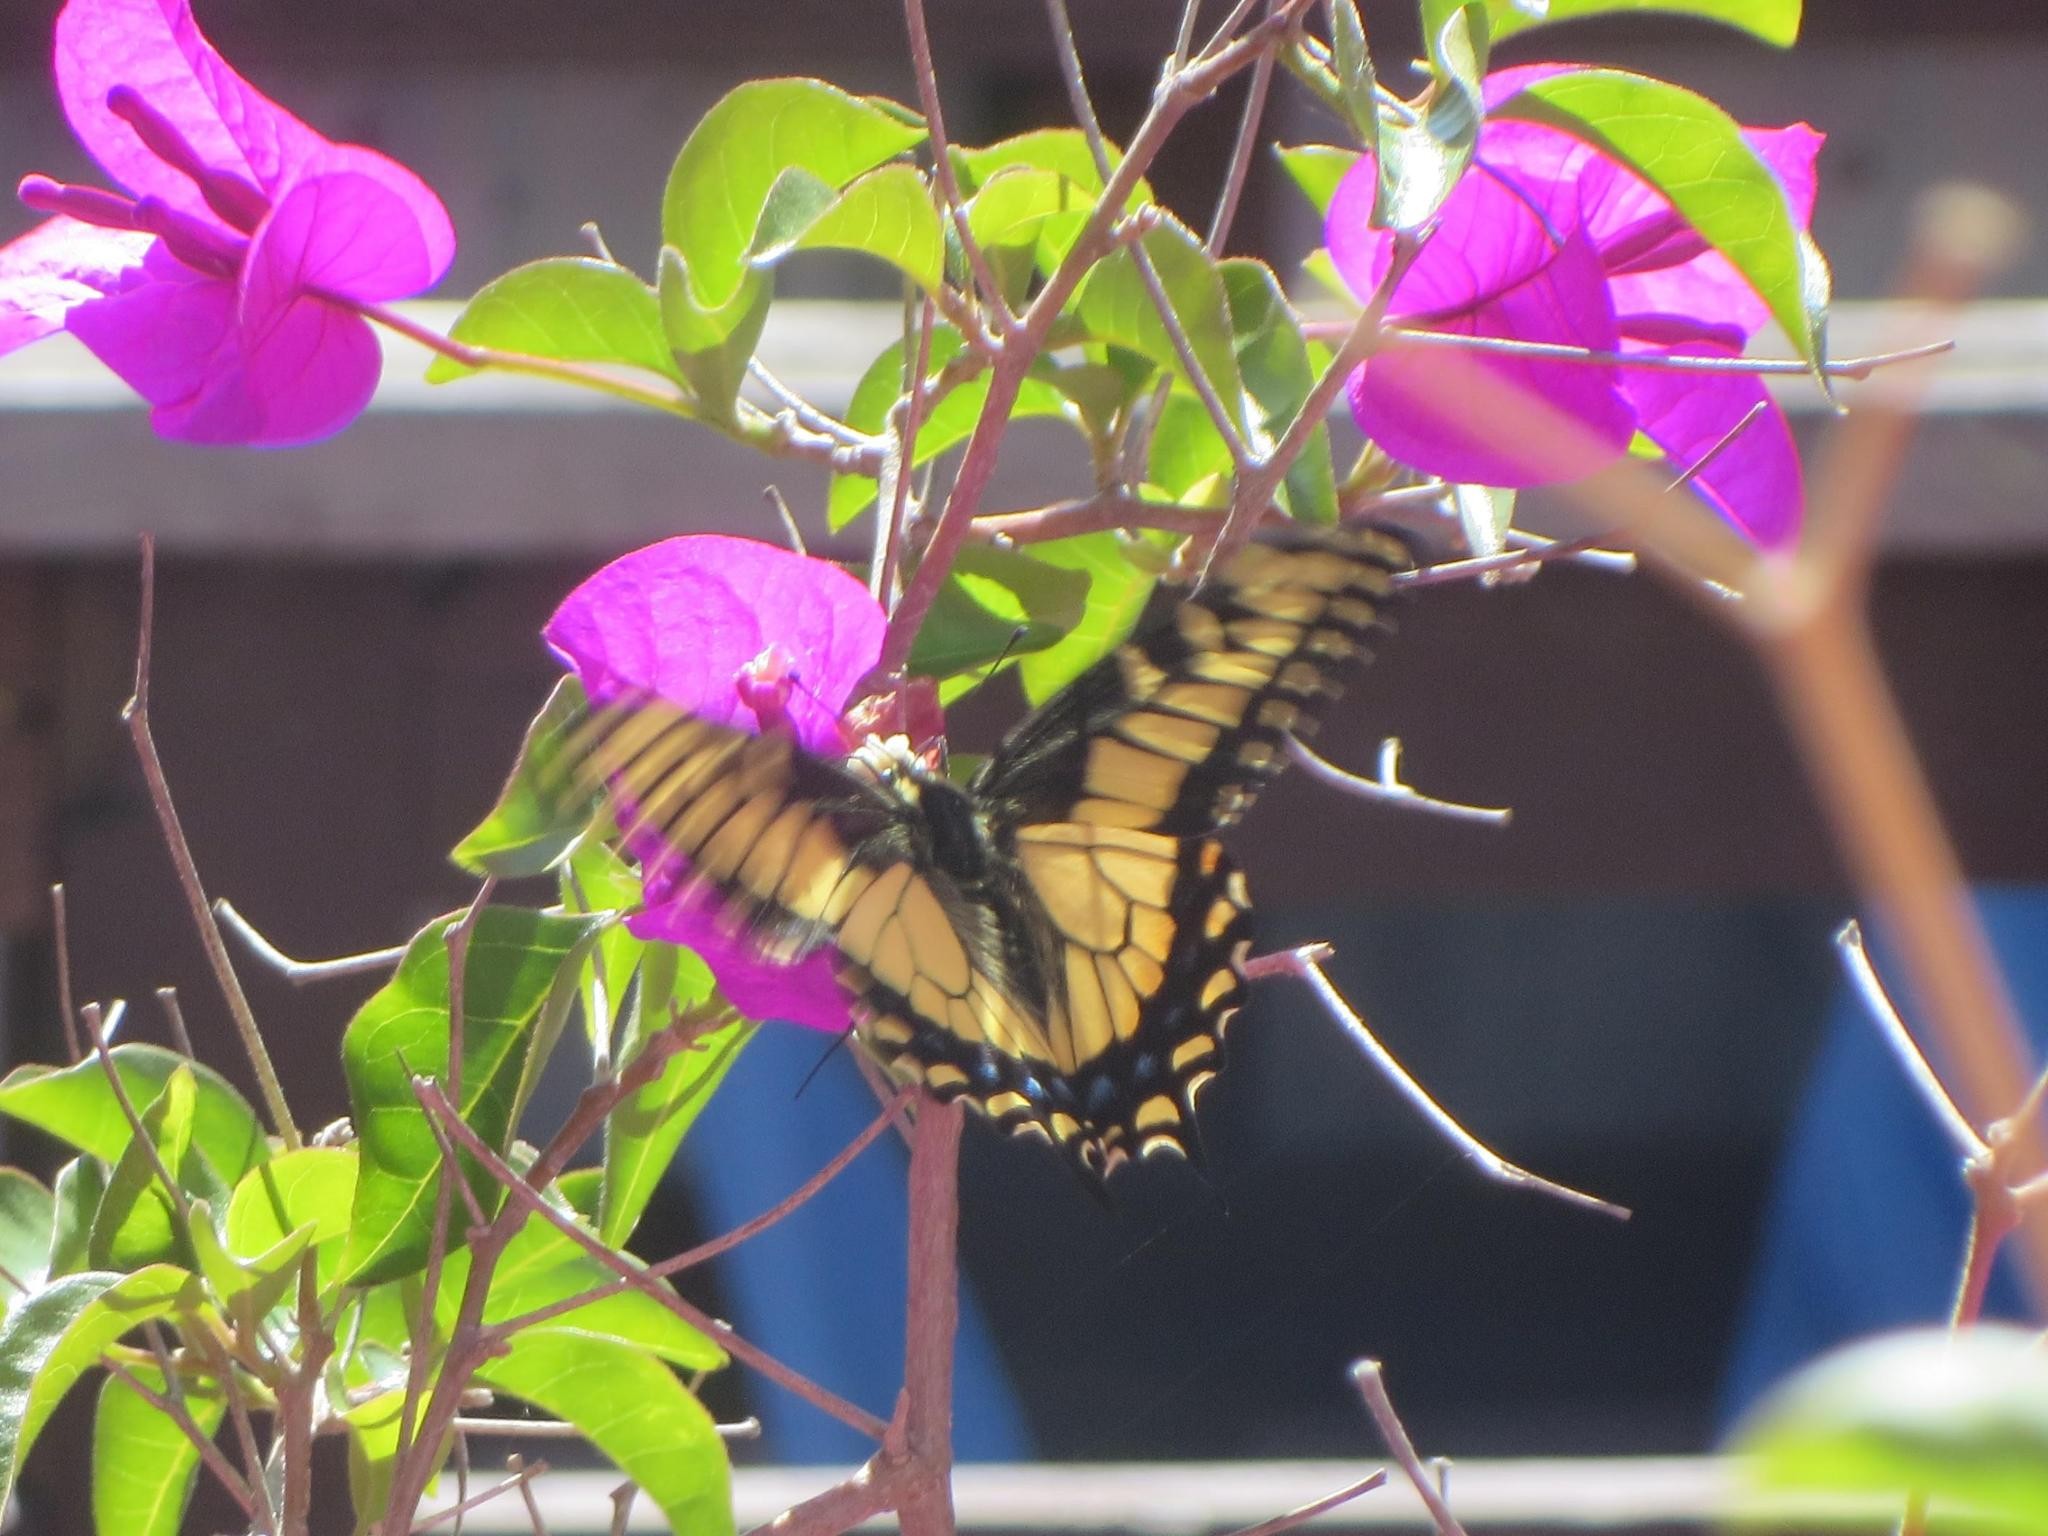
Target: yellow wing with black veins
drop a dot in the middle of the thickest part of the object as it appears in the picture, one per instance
(1176, 730)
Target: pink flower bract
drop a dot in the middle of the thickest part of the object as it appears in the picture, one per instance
(223, 286)
(1545, 239)
(750, 636)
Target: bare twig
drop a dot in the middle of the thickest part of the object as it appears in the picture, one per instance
(893, 489)
(136, 713)
(1114, 508)
(527, 1198)
(1367, 1376)
(1654, 362)
(175, 1017)
(1304, 963)
(1388, 789)
(210, 1454)
(526, 1473)
(1176, 96)
(1548, 553)
(942, 166)
(1905, 1050)
(301, 972)
(1720, 445)
(622, 1507)
(66, 1003)
(1241, 155)
(1280, 1524)
(892, 1114)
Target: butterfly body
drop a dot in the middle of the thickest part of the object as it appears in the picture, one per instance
(1060, 940)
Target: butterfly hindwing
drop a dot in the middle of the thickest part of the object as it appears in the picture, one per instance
(1177, 729)
(1146, 934)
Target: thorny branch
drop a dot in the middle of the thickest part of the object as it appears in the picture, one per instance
(1370, 1380)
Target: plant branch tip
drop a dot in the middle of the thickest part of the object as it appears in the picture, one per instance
(1388, 788)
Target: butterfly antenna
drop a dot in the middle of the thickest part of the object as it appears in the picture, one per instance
(837, 1044)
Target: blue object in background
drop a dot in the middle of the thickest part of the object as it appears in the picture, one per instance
(823, 1290)
(1865, 1228)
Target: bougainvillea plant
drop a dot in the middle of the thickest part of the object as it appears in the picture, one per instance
(1608, 243)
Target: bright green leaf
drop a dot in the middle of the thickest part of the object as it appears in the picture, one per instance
(721, 180)
(1316, 169)
(989, 595)
(143, 1466)
(312, 1187)
(533, 824)
(517, 961)
(945, 426)
(597, 880)
(887, 214)
(58, 1334)
(633, 1409)
(1421, 162)
(643, 1132)
(576, 309)
(76, 1104)
(81, 1184)
(1273, 357)
(1775, 21)
(1695, 154)
(542, 1265)
(1351, 66)
(1063, 151)
(1189, 461)
(372, 1454)
(795, 202)
(1018, 199)
(137, 1223)
(28, 1219)
(1962, 1417)
(712, 344)
(1114, 305)
(1121, 575)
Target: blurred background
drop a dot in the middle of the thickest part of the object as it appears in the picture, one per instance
(1624, 990)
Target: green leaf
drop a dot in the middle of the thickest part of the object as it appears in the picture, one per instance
(1775, 21)
(795, 202)
(946, 425)
(247, 1290)
(597, 880)
(631, 1407)
(81, 1185)
(713, 343)
(1695, 154)
(1017, 200)
(313, 1187)
(372, 1454)
(1962, 1417)
(517, 962)
(1189, 461)
(1485, 514)
(1351, 65)
(137, 1224)
(143, 1466)
(1113, 305)
(533, 823)
(1063, 151)
(542, 1266)
(1316, 169)
(1121, 575)
(988, 596)
(887, 214)
(577, 309)
(721, 180)
(28, 1219)
(1421, 162)
(58, 1334)
(76, 1104)
(1273, 357)
(642, 1134)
